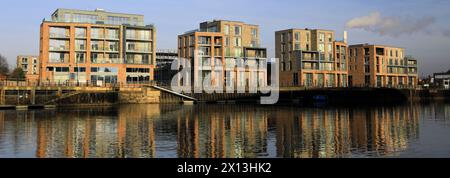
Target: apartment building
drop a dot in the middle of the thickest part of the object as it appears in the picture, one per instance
(204, 51)
(97, 47)
(381, 66)
(235, 44)
(30, 65)
(311, 58)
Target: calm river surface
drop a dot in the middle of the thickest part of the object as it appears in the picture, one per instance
(231, 131)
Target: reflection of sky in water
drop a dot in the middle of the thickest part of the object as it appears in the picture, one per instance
(227, 131)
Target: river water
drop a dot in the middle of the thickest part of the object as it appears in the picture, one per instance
(227, 131)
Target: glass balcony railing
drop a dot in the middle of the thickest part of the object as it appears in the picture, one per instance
(59, 48)
(106, 61)
(59, 35)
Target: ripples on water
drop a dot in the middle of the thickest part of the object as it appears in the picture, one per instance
(216, 131)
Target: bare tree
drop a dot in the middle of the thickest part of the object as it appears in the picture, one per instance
(4, 66)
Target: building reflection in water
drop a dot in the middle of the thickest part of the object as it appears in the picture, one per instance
(213, 131)
(222, 131)
(345, 132)
(125, 132)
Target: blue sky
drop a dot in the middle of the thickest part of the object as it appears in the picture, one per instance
(430, 44)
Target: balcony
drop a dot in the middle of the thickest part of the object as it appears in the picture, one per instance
(106, 61)
(59, 36)
(204, 43)
(59, 48)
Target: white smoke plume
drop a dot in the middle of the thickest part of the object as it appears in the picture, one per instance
(390, 26)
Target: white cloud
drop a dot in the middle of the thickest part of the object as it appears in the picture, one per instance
(390, 26)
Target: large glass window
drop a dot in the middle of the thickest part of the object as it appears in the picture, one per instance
(297, 36)
(204, 40)
(59, 32)
(112, 46)
(80, 44)
(115, 20)
(80, 32)
(59, 44)
(96, 45)
(138, 34)
(237, 30)
(254, 33)
(58, 57)
(237, 41)
(138, 59)
(112, 33)
(97, 33)
(227, 30)
(321, 37)
(139, 46)
(81, 18)
(80, 57)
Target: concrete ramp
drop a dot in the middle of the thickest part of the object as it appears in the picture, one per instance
(174, 93)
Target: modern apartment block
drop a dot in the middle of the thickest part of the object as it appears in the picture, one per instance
(235, 44)
(97, 47)
(311, 58)
(30, 65)
(203, 50)
(381, 66)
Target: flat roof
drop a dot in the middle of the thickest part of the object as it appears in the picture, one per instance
(235, 21)
(305, 29)
(375, 45)
(95, 11)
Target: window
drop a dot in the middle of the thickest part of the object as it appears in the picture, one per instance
(321, 47)
(115, 20)
(112, 46)
(59, 32)
(138, 34)
(237, 52)
(59, 44)
(94, 57)
(321, 37)
(79, 69)
(80, 32)
(112, 33)
(227, 41)
(237, 30)
(139, 46)
(297, 46)
(254, 33)
(297, 36)
(97, 33)
(204, 40)
(330, 38)
(82, 18)
(95, 45)
(138, 70)
(61, 69)
(114, 58)
(254, 44)
(80, 57)
(58, 57)
(80, 44)
(237, 41)
(227, 30)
